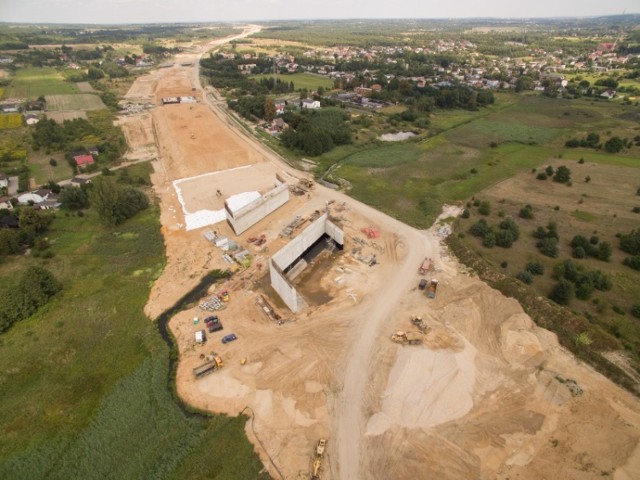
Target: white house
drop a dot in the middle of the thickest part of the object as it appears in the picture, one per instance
(309, 103)
(4, 181)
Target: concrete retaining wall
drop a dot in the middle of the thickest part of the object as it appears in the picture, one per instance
(252, 213)
(292, 251)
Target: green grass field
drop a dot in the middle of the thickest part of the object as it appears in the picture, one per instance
(33, 82)
(41, 171)
(84, 390)
(411, 180)
(9, 121)
(302, 80)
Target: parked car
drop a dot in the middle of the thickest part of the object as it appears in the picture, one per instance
(212, 319)
(229, 338)
(201, 336)
(214, 327)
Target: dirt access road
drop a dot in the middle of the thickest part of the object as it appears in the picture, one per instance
(487, 394)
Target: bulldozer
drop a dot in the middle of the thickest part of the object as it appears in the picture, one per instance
(407, 338)
(419, 323)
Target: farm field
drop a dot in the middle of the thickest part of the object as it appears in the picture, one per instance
(10, 120)
(307, 81)
(76, 406)
(32, 82)
(79, 101)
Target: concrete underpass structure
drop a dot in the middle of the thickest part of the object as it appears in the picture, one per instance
(290, 253)
(247, 215)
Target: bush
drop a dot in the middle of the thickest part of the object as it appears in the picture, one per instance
(549, 170)
(614, 145)
(632, 262)
(480, 229)
(466, 213)
(504, 264)
(535, 268)
(504, 238)
(581, 161)
(489, 240)
(525, 277)
(548, 246)
(473, 171)
(541, 176)
(630, 243)
(594, 240)
(579, 253)
(485, 208)
(635, 310)
(562, 292)
(562, 175)
(526, 212)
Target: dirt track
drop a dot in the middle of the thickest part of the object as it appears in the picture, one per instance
(487, 395)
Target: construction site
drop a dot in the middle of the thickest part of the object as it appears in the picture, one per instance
(357, 356)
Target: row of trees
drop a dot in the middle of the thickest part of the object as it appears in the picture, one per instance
(614, 144)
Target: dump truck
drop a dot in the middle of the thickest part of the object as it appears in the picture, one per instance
(207, 368)
(419, 323)
(407, 338)
(431, 291)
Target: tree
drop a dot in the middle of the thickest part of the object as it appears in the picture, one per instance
(549, 170)
(95, 73)
(563, 175)
(34, 220)
(480, 229)
(614, 145)
(269, 109)
(489, 240)
(587, 179)
(104, 197)
(525, 277)
(562, 292)
(73, 198)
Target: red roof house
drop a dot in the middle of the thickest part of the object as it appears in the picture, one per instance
(84, 160)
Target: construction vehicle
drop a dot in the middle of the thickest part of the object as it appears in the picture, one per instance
(407, 338)
(322, 443)
(208, 367)
(317, 462)
(426, 266)
(224, 296)
(419, 323)
(431, 291)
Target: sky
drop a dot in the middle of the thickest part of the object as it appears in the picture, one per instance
(152, 11)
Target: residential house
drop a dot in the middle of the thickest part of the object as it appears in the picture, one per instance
(4, 181)
(83, 160)
(10, 107)
(608, 94)
(280, 106)
(276, 126)
(310, 103)
(44, 199)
